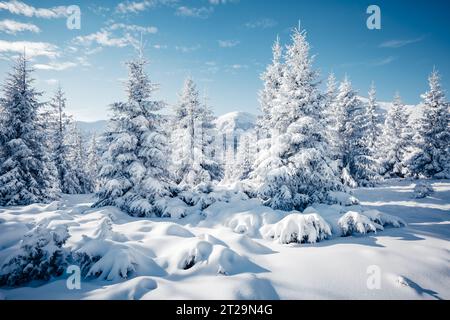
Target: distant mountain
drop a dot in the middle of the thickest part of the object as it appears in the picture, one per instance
(238, 122)
(89, 128)
(414, 111)
(235, 123)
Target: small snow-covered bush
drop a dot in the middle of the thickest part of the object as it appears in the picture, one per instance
(422, 190)
(41, 255)
(384, 219)
(245, 223)
(341, 198)
(299, 228)
(368, 221)
(354, 222)
(110, 256)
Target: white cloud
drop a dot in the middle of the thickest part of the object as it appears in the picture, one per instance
(32, 49)
(12, 27)
(55, 66)
(228, 43)
(202, 12)
(105, 38)
(138, 6)
(99, 10)
(384, 61)
(51, 82)
(399, 43)
(187, 49)
(239, 66)
(159, 46)
(261, 24)
(133, 28)
(21, 8)
(217, 2)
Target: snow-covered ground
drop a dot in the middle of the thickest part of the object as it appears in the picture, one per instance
(228, 252)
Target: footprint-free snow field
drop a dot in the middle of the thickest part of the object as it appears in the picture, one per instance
(391, 245)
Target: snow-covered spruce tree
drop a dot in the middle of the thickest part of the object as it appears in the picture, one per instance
(93, 163)
(432, 158)
(58, 129)
(245, 156)
(330, 100)
(373, 121)
(357, 165)
(395, 141)
(134, 174)
(26, 174)
(295, 172)
(271, 81)
(40, 256)
(79, 161)
(191, 140)
(330, 114)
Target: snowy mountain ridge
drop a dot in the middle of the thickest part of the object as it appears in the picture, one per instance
(238, 122)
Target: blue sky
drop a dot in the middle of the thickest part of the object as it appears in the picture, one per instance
(223, 44)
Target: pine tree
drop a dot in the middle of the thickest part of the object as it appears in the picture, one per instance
(79, 161)
(296, 170)
(26, 175)
(59, 124)
(373, 122)
(134, 171)
(395, 140)
(93, 163)
(432, 158)
(272, 81)
(192, 138)
(357, 165)
(245, 156)
(330, 114)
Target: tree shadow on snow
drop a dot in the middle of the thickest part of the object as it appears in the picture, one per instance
(420, 290)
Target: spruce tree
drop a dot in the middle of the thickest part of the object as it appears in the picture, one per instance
(134, 174)
(192, 139)
(395, 141)
(296, 171)
(93, 163)
(373, 130)
(358, 167)
(26, 174)
(432, 158)
(61, 148)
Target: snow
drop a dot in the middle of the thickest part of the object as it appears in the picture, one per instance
(235, 123)
(228, 252)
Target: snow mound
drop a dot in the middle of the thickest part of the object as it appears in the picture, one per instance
(422, 190)
(193, 255)
(298, 228)
(133, 289)
(172, 229)
(109, 256)
(256, 289)
(204, 255)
